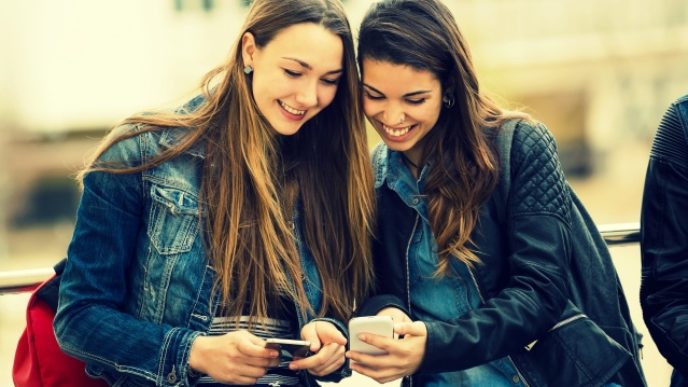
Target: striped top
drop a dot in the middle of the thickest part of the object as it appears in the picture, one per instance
(282, 326)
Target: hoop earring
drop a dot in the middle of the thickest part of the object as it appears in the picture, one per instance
(248, 70)
(448, 102)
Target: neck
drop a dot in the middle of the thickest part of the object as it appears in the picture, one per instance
(410, 162)
(413, 158)
(413, 165)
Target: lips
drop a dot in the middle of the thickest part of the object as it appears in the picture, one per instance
(292, 110)
(396, 132)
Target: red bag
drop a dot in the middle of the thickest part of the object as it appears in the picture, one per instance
(38, 361)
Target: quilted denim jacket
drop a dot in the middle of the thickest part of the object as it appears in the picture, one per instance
(136, 290)
(535, 305)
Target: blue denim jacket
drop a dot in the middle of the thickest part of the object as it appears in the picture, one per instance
(137, 288)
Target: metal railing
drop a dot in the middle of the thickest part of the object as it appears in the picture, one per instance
(16, 281)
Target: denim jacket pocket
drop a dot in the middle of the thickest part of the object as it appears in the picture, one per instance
(576, 352)
(173, 223)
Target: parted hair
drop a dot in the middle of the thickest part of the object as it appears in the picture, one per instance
(253, 177)
(423, 34)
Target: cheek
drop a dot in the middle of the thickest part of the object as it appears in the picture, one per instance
(370, 108)
(429, 114)
(259, 89)
(326, 95)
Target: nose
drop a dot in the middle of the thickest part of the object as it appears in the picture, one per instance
(394, 114)
(308, 95)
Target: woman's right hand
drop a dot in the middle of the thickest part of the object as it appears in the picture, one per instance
(234, 358)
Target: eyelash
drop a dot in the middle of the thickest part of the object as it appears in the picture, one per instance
(296, 74)
(411, 101)
(291, 73)
(373, 97)
(330, 82)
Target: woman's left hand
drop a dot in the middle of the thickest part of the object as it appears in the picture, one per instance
(328, 345)
(403, 356)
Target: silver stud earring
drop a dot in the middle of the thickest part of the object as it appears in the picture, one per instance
(248, 70)
(448, 101)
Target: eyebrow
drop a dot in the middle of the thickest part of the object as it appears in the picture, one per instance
(412, 94)
(306, 65)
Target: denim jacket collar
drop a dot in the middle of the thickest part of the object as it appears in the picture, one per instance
(391, 170)
(170, 138)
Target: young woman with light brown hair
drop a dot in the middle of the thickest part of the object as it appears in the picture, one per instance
(243, 215)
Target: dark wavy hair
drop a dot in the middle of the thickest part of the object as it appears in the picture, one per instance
(423, 34)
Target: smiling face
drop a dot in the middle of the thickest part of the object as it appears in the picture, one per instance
(295, 75)
(402, 103)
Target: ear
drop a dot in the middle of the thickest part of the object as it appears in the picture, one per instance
(248, 48)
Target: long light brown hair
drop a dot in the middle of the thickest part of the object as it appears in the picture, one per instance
(252, 177)
(424, 35)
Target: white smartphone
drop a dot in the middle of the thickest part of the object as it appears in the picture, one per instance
(289, 349)
(378, 325)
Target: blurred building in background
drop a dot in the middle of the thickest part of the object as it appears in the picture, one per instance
(599, 73)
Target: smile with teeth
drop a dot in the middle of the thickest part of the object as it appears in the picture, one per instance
(396, 132)
(291, 109)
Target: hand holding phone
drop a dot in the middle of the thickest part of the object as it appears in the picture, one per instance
(378, 325)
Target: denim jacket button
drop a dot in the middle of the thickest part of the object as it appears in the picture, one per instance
(415, 201)
(516, 379)
(172, 376)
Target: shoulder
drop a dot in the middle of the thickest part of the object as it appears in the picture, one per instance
(518, 140)
(532, 138)
(671, 140)
(539, 184)
(122, 146)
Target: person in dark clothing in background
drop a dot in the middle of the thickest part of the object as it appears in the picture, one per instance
(664, 240)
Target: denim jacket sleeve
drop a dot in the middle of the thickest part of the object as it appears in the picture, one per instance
(664, 238)
(535, 295)
(91, 323)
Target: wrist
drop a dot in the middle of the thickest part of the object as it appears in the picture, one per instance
(196, 355)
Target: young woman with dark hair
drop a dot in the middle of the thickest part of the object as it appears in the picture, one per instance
(478, 261)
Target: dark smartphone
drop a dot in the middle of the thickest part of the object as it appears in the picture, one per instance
(289, 349)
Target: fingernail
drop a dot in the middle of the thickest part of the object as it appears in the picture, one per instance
(363, 337)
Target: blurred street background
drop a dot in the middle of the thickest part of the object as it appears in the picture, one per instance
(598, 73)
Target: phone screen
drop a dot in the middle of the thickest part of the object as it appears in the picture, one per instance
(290, 349)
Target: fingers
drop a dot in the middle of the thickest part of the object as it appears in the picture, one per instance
(262, 362)
(367, 360)
(411, 328)
(237, 373)
(320, 333)
(379, 375)
(384, 343)
(328, 333)
(403, 357)
(256, 348)
(309, 333)
(396, 314)
(327, 360)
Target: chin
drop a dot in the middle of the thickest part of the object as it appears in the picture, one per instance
(286, 130)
